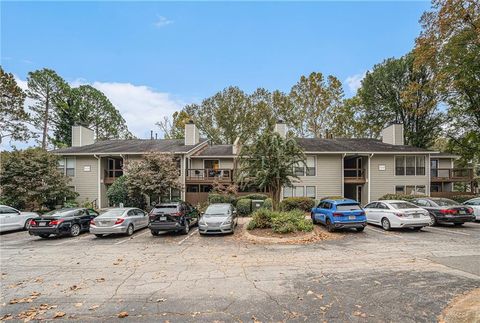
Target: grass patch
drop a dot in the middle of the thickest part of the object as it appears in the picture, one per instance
(280, 222)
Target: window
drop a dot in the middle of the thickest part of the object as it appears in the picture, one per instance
(410, 165)
(422, 202)
(310, 169)
(327, 205)
(410, 189)
(371, 205)
(382, 206)
(299, 191)
(70, 169)
(310, 192)
(287, 192)
(299, 170)
(399, 189)
(348, 207)
(193, 188)
(61, 165)
(7, 210)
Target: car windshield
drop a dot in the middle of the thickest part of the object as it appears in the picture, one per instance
(445, 202)
(112, 214)
(403, 205)
(61, 213)
(165, 209)
(217, 210)
(348, 207)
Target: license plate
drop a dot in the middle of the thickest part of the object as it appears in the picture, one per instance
(462, 212)
(163, 218)
(42, 224)
(416, 216)
(351, 217)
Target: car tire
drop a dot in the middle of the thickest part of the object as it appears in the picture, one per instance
(329, 225)
(360, 229)
(130, 230)
(25, 227)
(154, 233)
(458, 224)
(433, 220)
(99, 235)
(44, 235)
(186, 228)
(417, 228)
(313, 218)
(386, 224)
(75, 230)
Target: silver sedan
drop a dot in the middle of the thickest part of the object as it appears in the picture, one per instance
(218, 218)
(119, 220)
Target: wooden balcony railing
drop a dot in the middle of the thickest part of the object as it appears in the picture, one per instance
(354, 175)
(209, 175)
(110, 175)
(451, 174)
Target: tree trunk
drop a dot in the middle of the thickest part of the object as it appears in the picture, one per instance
(45, 123)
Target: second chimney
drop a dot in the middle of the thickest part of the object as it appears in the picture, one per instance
(192, 135)
(281, 128)
(393, 134)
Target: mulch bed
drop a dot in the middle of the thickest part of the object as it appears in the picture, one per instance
(268, 236)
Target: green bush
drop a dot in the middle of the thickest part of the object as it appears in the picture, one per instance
(280, 222)
(463, 198)
(220, 198)
(333, 197)
(254, 196)
(261, 219)
(402, 197)
(244, 207)
(268, 204)
(297, 203)
(70, 204)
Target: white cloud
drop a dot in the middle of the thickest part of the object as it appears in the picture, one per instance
(162, 22)
(354, 82)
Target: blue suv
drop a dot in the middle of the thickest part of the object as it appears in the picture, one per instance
(338, 214)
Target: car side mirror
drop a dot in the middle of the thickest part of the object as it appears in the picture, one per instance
(234, 211)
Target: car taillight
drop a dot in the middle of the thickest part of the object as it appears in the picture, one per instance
(119, 220)
(32, 223)
(337, 214)
(92, 222)
(362, 213)
(399, 214)
(55, 222)
(177, 214)
(448, 211)
(469, 210)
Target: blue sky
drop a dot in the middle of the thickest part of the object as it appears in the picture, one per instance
(150, 58)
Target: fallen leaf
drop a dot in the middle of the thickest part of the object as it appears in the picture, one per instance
(161, 300)
(122, 314)
(38, 280)
(310, 292)
(93, 307)
(78, 304)
(59, 314)
(6, 317)
(35, 294)
(99, 280)
(116, 263)
(75, 287)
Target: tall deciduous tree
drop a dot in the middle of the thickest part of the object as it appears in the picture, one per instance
(450, 46)
(396, 91)
(154, 175)
(48, 90)
(13, 117)
(268, 163)
(174, 128)
(30, 179)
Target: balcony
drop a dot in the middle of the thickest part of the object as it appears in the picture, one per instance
(354, 176)
(110, 175)
(206, 175)
(439, 175)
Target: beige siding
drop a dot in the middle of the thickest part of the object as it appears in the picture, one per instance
(85, 182)
(328, 179)
(444, 162)
(383, 182)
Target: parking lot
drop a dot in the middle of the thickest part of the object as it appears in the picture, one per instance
(373, 276)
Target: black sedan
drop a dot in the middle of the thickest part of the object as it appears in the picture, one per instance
(62, 222)
(444, 210)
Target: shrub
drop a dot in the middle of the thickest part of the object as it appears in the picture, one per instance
(220, 198)
(402, 197)
(268, 204)
(297, 203)
(280, 222)
(254, 196)
(261, 219)
(244, 207)
(463, 198)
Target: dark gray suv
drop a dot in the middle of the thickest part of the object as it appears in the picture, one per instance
(174, 216)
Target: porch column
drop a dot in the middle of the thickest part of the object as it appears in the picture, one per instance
(368, 180)
(343, 175)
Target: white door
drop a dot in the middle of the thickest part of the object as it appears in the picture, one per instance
(383, 211)
(371, 212)
(10, 218)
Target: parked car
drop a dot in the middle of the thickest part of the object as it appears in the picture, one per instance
(396, 214)
(175, 216)
(218, 218)
(442, 210)
(119, 220)
(68, 221)
(475, 205)
(338, 214)
(12, 219)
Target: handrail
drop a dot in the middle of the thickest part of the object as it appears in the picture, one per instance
(452, 173)
(359, 172)
(209, 173)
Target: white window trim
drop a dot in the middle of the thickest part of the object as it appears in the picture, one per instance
(405, 185)
(304, 191)
(405, 167)
(305, 166)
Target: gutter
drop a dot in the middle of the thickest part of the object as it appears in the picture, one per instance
(99, 187)
(368, 178)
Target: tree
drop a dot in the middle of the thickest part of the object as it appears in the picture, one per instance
(175, 128)
(449, 45)
(48, 90)
(30, 179)
(154, 175)
(315, 100)
(395, 91)
(90, 107)
(13, 117)
(269, 163)
(118, 193)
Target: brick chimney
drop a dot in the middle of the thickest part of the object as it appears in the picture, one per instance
(192, 135)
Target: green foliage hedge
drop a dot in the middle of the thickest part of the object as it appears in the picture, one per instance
(297, 203)
(244, 206)
(280, 222)
(463, 198)
(268, 204)
(254, 196)
(220, 198)
(402, 197)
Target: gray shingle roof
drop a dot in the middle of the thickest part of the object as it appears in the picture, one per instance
(217, 150)
(352, 145)
(446, 155)
(130, 146)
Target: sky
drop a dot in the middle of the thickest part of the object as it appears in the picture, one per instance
(152, 58)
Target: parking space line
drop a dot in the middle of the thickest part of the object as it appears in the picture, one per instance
(131, 238)
(187, 237)
(449, 231)
(385, 232)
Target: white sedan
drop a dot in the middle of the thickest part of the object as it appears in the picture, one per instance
(13, 219)
(475, 205)
(396, 214)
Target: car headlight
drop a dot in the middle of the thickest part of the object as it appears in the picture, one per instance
(227, 221)
(202, 222)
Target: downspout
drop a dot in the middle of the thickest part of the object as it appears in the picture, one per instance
(343, 174)
(429, 165)
(368, 179)
(99, 167)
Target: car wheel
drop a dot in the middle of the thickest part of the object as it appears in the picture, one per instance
(360, 229)
(74, 230)
(386, 224)
(330, 227)
(458, 224)
(154, 233)
(27, 224)
(130, 230)
(99, 235)
(44, 235)
(417, 228)
(433, 220)
(313, 218)
(186, 228)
